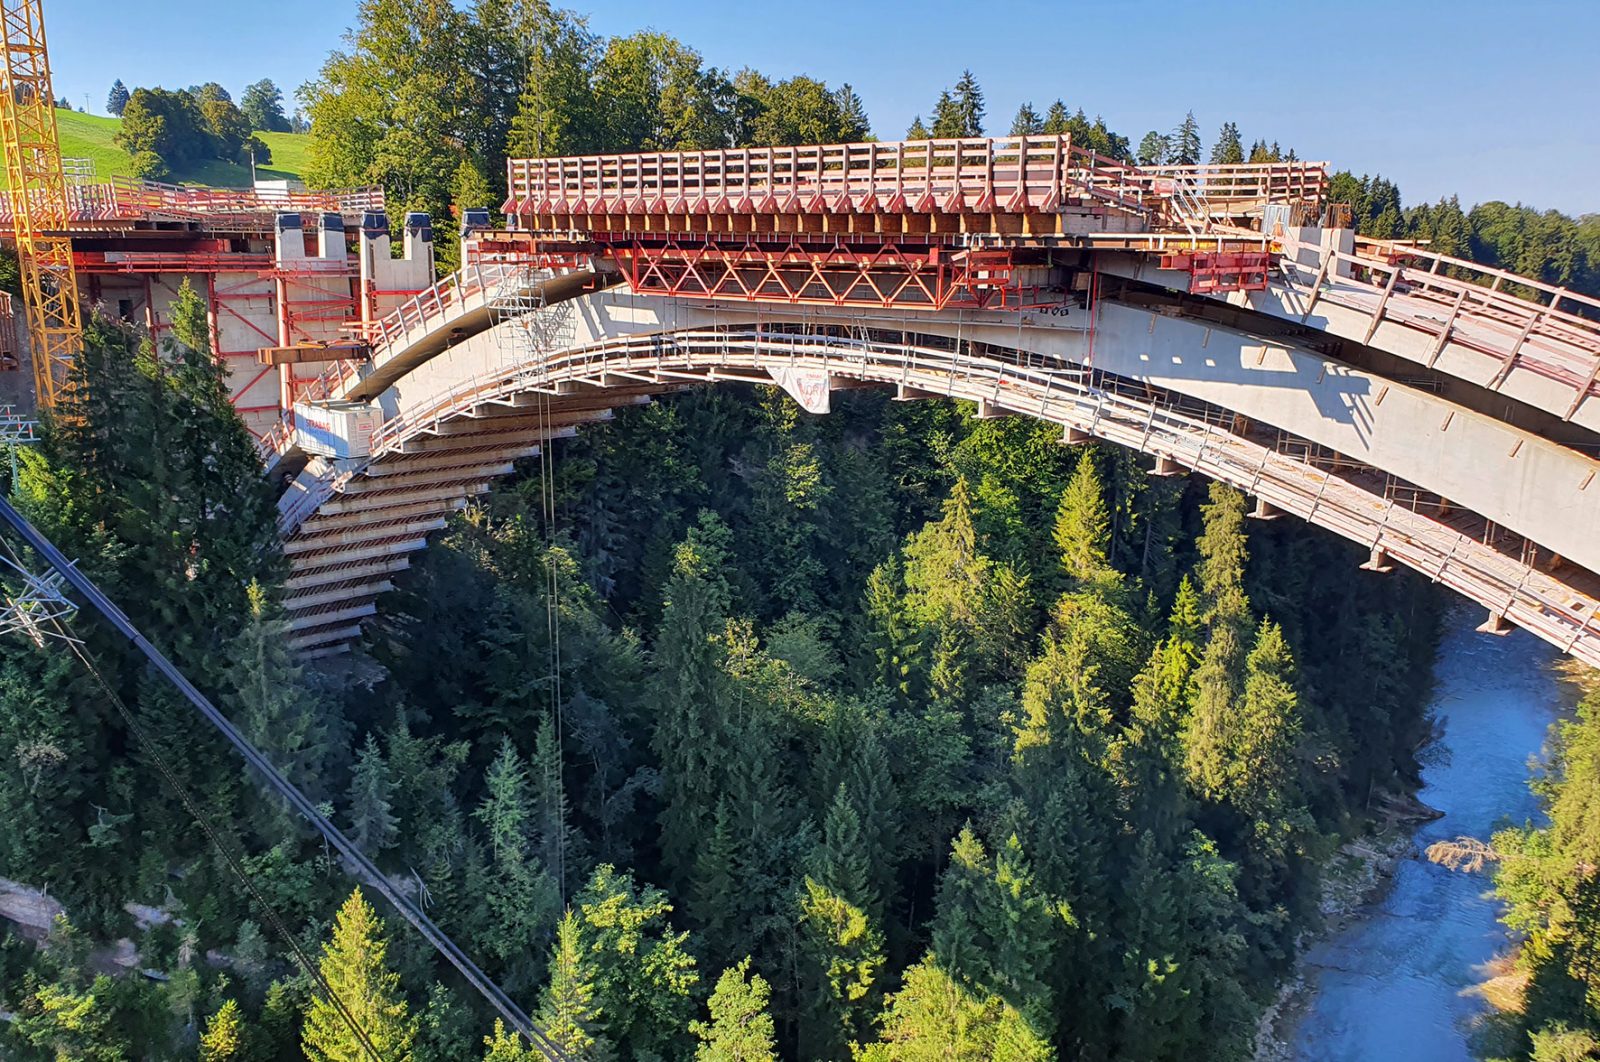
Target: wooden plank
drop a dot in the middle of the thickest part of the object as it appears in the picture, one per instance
(312, 352)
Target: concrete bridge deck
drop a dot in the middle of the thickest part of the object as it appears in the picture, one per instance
(1435, 412)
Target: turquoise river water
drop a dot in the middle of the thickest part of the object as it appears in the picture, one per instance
(1397, 983)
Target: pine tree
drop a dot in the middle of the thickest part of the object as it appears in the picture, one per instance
(1056, 119)
(372, 823)
(117, 101)
(1027, 122)
(354, 966)
(691, 691)
(917, 130)
(521, 898)
(740, 1029)
(959, 112)
(854, 125)
(1183, 145)
(841, 956)
(223, 1038)
(937, 1018)
(1228, 150)
(996, 930)
(1082, 532)
(568, 1010)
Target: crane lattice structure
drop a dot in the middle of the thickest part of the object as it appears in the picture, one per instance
(39, 194)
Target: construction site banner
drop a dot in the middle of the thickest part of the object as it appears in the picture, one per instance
(806, 386)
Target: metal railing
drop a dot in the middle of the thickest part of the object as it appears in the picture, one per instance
(1124, 412)
(129, 199)
(1460, 302)
(1005, 174)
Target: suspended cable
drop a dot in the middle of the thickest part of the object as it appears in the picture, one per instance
(552, 619)
(365, 869)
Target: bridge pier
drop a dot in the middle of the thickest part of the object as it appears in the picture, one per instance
(1071, 436)
(1378, 561)
(1496, 624)
(1166, 466)
(1265, 510)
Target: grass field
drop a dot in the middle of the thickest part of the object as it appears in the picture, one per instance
(88, 136)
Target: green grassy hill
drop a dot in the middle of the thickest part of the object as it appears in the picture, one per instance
(88, 136)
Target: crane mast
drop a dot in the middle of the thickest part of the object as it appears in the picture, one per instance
(39, 194)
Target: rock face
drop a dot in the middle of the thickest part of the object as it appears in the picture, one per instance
(28, 906)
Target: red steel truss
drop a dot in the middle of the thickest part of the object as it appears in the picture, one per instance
(889, 224)
(890, 274)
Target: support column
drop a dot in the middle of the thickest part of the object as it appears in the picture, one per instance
(1496, 624)
(1166, 466)
(1379, 561)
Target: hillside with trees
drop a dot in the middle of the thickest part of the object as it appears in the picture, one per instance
(851, 727)
(718, 731)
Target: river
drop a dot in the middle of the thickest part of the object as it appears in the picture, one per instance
(1396, 983)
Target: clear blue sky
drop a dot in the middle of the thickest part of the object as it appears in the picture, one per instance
(1482, 98)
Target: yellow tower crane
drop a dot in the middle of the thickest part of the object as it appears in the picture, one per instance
(40, 207)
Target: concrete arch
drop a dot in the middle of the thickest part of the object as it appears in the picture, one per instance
(460, 419)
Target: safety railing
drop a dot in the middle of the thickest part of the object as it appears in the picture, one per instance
(1232, 184)
(1008, 174)
(1123, 412)
(129, 199)
(1460, 302)
(424, 312)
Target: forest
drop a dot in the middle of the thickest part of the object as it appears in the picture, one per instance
(720, 731)
(726, 732)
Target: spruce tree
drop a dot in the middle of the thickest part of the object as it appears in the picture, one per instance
(1268, 729)
(959, 112)
(522, 900)
(1027, 122)
(290, 724)
(935, 1016)
(569, 1012)
(1082, 532)
(854, 125)
(223, 1039)
(117, 99)
(1183, 146)
(504, 1045)
(996, 930)
(372, 823)
(740, 1029)
(1056, 119)
(1208, 735)
(354, 964)
(691, 691)
(841, 949)
(1228, 150)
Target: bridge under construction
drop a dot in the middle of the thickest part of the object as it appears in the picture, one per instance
(1222, 319)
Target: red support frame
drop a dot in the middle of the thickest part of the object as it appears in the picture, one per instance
(804, 273)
